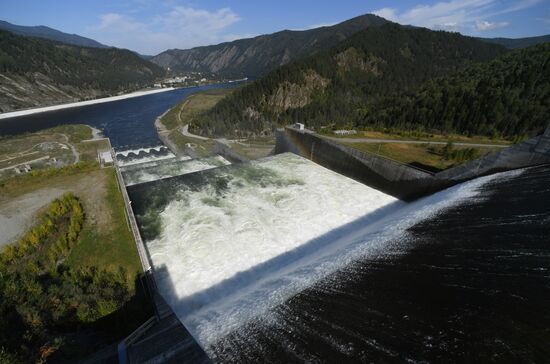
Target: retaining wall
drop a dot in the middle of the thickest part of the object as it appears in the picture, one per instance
(403, 181)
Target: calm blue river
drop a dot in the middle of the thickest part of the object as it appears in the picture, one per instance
(128, 123)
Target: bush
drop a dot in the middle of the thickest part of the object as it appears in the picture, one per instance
(40, 298)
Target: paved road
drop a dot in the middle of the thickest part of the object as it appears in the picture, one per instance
(73, 149)
(369, 140)
(185, 131)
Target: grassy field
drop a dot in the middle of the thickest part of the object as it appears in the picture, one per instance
(422, 137)
(108, 245)
(184, 112)
(51, 148)
(254, 148)
(419, 155)
(202, 148)
(105, 241)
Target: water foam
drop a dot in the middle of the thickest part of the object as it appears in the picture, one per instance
(144, 155)
(154, 170)
(125, 153)
(227, 261)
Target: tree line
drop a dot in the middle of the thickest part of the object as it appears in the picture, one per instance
(43, 300)
(106, 69)
(360, 72)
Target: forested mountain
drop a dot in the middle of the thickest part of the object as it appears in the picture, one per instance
(517, 43)
(51, 34)
(37, 72)
(508, 97)
(257, 56)
(339, 86)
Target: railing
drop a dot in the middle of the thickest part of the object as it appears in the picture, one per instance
(132, 220)
(132, 338)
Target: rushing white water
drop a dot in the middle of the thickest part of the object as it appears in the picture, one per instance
(144, 155)
(279, 225)
(125, 153)
(152, 171)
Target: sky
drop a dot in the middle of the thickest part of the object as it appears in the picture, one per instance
(152, 26)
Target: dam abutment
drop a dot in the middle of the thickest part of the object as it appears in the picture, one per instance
(404, 181)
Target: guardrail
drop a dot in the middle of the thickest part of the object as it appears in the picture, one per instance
(143, 257)
(132, 338)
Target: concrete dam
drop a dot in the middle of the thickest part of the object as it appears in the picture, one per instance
(403, 181)
(280, 259)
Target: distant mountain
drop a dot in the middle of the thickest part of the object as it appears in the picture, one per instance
(51, 34)
(509, 97)
(518, 42)
(257, 56)
(338, 86)
(39, 72)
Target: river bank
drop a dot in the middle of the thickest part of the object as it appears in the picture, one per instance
(82, 103)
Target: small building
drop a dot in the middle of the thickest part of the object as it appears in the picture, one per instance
(105, 158)
(299, 126)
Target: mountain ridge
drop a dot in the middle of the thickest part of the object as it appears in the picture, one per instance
(45, 32)
(335, 86)
(255, 56)
(39, 72)
(518, 43)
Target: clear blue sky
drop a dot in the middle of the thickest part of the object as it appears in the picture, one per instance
(151, 26)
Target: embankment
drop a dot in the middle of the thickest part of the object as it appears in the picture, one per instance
(403, 181)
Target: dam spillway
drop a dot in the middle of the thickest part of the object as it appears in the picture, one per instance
(255, 258)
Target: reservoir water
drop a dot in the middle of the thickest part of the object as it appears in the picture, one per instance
(284, 261)
(129, 123)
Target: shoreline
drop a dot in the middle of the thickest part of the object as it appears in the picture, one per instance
(37, 110)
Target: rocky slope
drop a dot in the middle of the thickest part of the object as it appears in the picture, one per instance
(256, 56)
(339, 85)
(37, 72)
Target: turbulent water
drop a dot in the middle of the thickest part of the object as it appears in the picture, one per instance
(282, 260)
(139, 156)
(147, 170)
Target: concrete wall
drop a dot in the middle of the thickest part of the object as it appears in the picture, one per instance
(228, 153)
(383, 174)
(400, 180)
(532, 152)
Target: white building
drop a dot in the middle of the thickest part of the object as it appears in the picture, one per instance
(105, 158)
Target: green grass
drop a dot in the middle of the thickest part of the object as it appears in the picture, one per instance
(188, 108)
(107, 245)
(203, 148)
(419, 155)
(37, 178)
(89, 150)
(254, 148)
(170, 119)
(76, 133)
(108, 249)
(420, 136)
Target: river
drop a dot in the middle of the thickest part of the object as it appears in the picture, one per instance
(129, 123)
